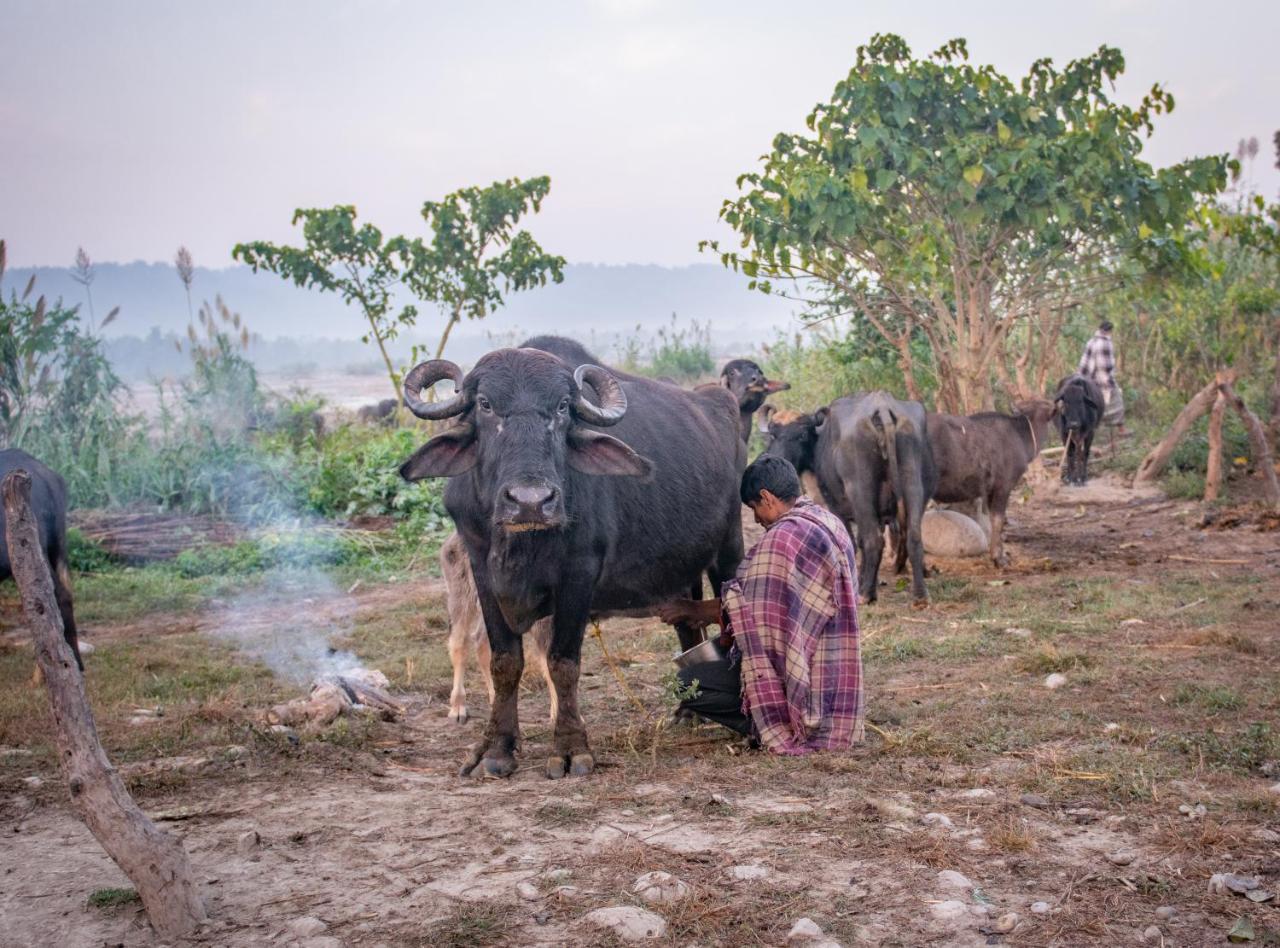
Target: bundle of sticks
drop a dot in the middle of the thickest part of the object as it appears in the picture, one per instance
(145, 536)
(356, 691)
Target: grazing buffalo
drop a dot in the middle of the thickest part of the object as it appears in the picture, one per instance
(871, 455)
(983, 456)
(1080, 406)
(49, 508)
(561, 519)
(749, 386)
(379, 413)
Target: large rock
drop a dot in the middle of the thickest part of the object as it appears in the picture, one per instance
(948, 533)
(660, 888)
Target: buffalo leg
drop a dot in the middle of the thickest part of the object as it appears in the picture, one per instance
(913, 504)
(998, 505)
(62, 595)
(689, 635)
(871, 546)
(897, 533)
(572, 753)
(494, 755)
(1084, 458)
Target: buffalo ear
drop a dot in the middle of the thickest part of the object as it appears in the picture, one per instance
(446, 455)
(820, 417)
(594, 453)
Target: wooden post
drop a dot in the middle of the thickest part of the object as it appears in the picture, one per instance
(1213, 475)
(153, 860)
(1262, 455)
(1154, 463)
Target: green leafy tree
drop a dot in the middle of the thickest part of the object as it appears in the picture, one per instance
(945, 198)
(475, 255)
(340, 257)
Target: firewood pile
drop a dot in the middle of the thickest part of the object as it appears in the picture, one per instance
(146, 537)
(360, 691)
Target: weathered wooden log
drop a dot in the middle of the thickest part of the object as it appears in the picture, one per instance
(1262, 456)
(154, 861)
(1213, 474)
(1154, 463)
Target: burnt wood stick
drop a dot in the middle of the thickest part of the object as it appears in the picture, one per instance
(153, 860)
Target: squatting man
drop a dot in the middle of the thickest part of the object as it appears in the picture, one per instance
(791, 674)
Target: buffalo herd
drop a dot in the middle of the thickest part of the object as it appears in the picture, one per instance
(581, 492)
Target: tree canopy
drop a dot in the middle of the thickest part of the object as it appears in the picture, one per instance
(942, 197)
(474, 256)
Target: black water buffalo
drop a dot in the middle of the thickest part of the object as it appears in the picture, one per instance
(1080, 405)
(750, 387)
(873, 462)
(379, 413)
(563, 520)
(49, 508)
(983, 456)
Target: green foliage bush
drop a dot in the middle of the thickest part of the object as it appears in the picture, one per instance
(675, 352)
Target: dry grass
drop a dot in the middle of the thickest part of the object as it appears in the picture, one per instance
(1012, 834)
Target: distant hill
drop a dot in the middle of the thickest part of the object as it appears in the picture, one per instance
(598, 304)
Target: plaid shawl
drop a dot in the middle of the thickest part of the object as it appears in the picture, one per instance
(1099, 361)
(793, 610)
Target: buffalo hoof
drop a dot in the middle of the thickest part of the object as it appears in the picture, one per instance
(922, 603)
(577, 765)
(458, 715)
(493, 768)
(865, 600)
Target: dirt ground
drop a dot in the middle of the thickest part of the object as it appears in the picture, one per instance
(1080, 809)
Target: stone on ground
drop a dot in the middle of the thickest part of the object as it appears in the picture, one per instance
(660, 888)
(307, 927)
(950, 879)
(1054, 681)
(748, 873)
(628, 923)
(952, 910)
(949, 533)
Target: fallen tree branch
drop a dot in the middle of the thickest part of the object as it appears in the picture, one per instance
(154, 861)
(1262, 456)
(1154, 463)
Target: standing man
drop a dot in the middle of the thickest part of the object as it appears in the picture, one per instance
(1099, 365)
(792, 678)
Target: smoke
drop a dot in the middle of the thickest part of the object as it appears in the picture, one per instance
(288, 623)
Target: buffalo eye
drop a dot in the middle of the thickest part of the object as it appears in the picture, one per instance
(563, 407)
(484, 404)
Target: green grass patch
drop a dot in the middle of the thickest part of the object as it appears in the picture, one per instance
(1211, 698)
(113, 898)
(1047, 660)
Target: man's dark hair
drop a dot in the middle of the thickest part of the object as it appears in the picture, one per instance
(771, 473)
(1106, 326)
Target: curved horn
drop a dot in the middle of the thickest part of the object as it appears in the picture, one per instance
(424, 375)
(763, 425)
(613, 400)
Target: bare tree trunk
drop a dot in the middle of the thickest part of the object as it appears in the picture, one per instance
(1274, 421)
(153, 860)
(1154, 463)
(1213, 476)
(1262, 455)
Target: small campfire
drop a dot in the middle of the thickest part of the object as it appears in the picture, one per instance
(358, 691)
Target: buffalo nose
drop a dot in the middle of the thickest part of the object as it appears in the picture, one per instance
(531, 499)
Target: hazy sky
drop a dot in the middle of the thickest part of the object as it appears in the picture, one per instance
(131, 127)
